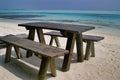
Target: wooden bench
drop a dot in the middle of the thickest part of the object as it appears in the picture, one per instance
(89, 39)
(47, 53)
(3, 45)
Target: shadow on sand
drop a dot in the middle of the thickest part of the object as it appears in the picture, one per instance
(28, 68)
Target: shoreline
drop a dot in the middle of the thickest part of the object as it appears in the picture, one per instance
(105, 66)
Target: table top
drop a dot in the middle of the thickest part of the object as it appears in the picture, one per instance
(57, 26)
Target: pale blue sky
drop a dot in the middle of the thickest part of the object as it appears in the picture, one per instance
(61, 4)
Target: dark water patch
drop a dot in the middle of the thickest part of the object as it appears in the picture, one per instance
(38, 19)
(19, 16)
(67, 20)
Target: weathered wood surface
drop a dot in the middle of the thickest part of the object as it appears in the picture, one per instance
(84, 37)
(90, 47)
(69, 28)
(35, 47)
(58, 26)
(92, 38)
(47, 53)
(54, 33)
(3, 45)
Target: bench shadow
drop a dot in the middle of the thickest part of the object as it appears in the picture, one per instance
(24, 68)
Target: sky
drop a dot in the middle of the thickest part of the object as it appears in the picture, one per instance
(61, 4)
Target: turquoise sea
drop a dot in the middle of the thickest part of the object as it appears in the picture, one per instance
(106, 21)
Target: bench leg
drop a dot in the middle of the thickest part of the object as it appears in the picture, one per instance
(51, 41)
(43, 68)
(52, 66)
(88, 49)
(18, 53)
(92, 49)
(56, 41)
(8, 52)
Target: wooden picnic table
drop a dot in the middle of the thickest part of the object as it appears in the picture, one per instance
(74, 32)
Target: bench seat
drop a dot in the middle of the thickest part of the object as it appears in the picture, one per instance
(48, 53)
(3, 45)
(89, 39)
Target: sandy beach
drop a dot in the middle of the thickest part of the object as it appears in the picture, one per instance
(105, 66)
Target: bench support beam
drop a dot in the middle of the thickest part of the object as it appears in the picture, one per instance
(18, 52)
(8, 52)
(56, 41)
(92, 49)
(88, 49)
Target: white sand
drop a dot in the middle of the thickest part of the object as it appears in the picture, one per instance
(105, 66)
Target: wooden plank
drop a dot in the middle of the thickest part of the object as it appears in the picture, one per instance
(92, 38)
(54, 33)
(38, 48)
(85, 37)
(58, 26)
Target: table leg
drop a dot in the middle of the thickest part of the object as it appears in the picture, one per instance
(79, 44)
(31, 37)
(69, 46)
(41, 36)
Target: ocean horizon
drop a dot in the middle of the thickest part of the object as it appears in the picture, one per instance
(106, 21)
